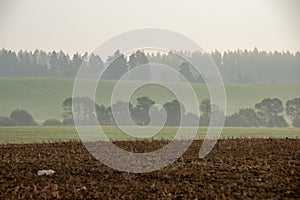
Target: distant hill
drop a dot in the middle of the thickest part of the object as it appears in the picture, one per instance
(43, 97)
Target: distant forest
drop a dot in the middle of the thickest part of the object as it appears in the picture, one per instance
(240, 66)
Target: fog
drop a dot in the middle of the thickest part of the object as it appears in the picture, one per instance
(79, 26)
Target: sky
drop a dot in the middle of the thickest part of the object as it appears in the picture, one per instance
(82, 25)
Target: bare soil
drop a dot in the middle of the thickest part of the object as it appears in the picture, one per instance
(235, 169)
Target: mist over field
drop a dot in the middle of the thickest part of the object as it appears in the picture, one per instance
(129, 99)
(40, 81)
(43, 97)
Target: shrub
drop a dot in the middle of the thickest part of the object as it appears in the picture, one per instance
(68, 121)
(5, 121)
(52, 122)
(245, 117)
(22, 118)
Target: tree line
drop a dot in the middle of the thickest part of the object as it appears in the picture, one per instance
(239, 66)
(267, 113)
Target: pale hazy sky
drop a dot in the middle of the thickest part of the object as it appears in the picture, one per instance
(82, 25)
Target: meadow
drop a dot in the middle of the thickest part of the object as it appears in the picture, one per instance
(37, 134)
(43, 97)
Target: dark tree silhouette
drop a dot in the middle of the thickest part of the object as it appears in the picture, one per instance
(52, 122)
(122, 111)
(245, 117)
(140, 113)
(207, 110)
(239, 66)
(184, 69)
(22, 118)
(270, 112)
(5, 121)
(293, 111)
(136, 59)
(117, 66)
(84, 108)
(174, 111)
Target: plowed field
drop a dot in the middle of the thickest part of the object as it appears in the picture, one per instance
(235, 169)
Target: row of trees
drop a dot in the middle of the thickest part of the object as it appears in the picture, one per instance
(269, 113)
(240, 66)
(44, 64)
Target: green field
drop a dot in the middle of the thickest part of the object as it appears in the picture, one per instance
(63, 133)
(43, 97)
